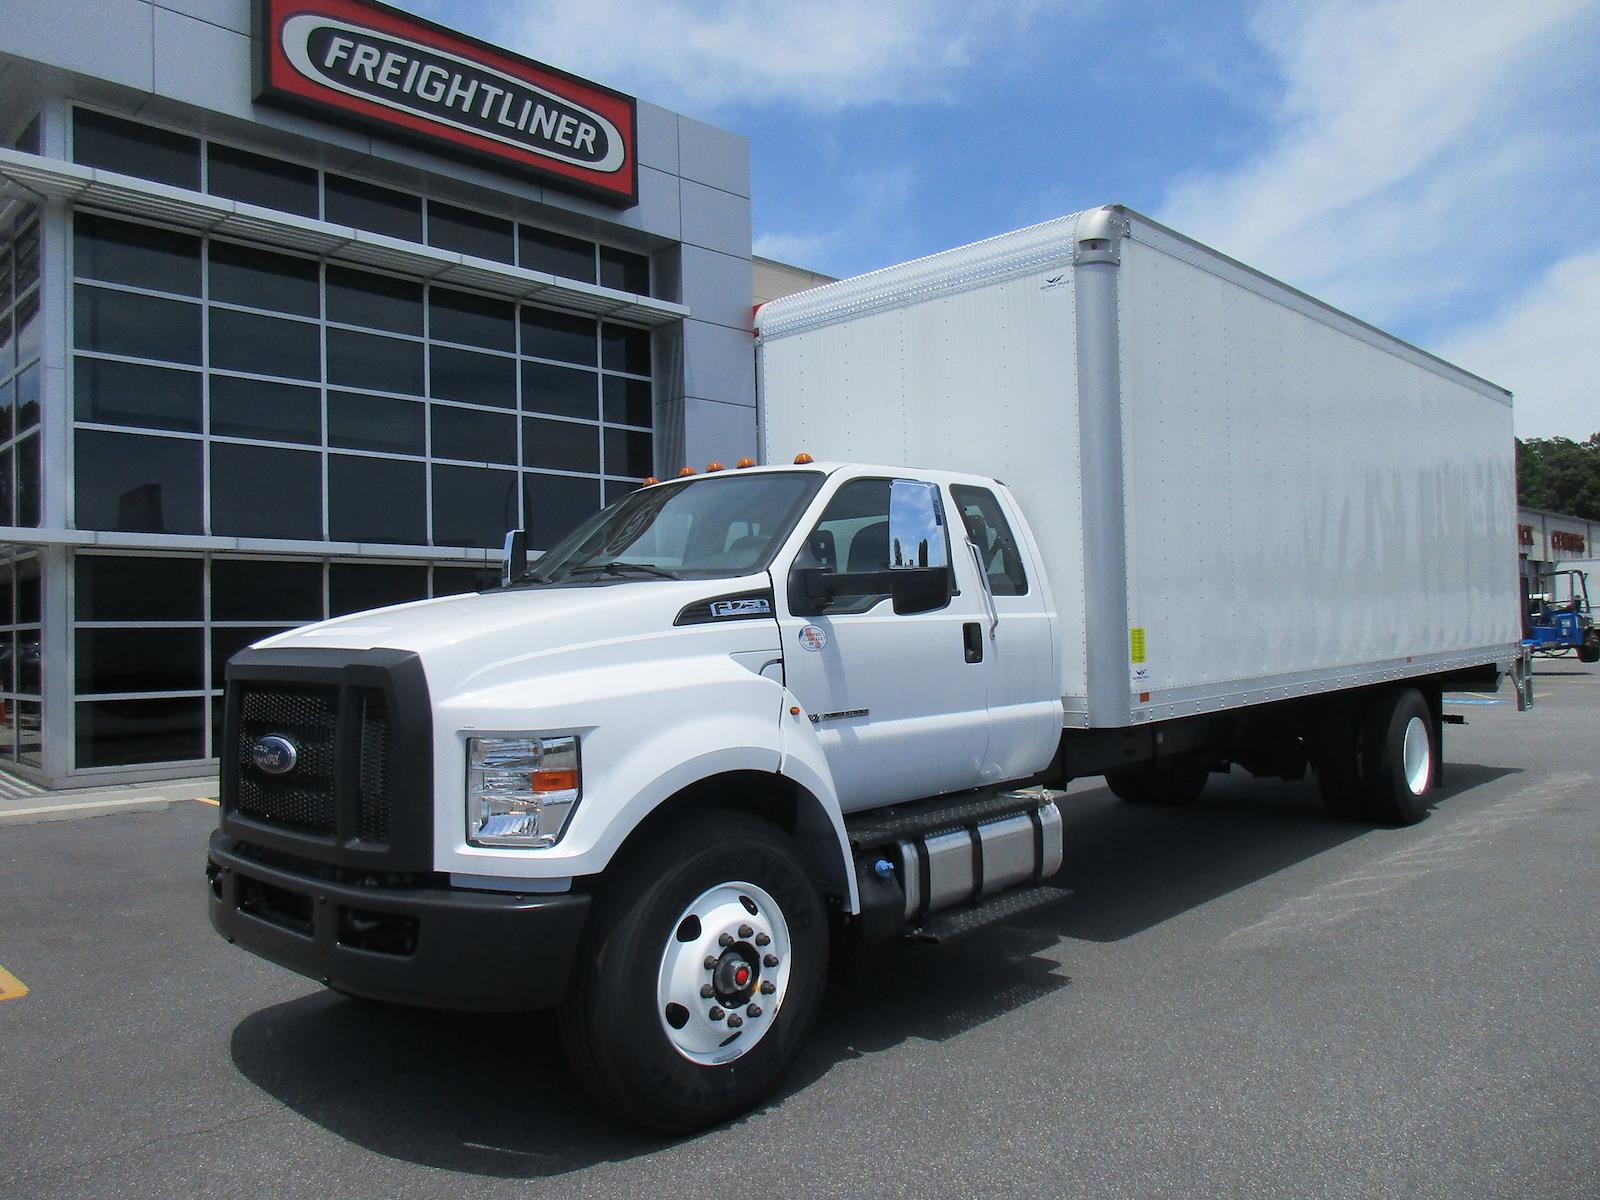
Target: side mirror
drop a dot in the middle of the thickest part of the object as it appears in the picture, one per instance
(514, 561)
(916, 526)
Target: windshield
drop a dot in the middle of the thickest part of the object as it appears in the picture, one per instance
(705, 528)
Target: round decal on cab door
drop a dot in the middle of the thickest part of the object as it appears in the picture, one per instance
(813, 637)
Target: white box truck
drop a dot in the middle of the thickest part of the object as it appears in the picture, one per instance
(1145, 513)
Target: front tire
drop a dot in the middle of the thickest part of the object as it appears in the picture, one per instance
(1401, 756)
(702, 976)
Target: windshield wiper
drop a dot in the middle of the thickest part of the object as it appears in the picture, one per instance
(620, 570)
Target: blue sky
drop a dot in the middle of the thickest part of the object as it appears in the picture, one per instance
(1432, 167)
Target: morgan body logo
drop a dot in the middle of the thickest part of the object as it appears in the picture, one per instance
(363, 62)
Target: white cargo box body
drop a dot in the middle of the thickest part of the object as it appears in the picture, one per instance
(1239, 493)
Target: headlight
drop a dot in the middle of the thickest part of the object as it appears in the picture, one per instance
(521, 790)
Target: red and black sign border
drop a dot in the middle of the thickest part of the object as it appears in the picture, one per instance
(265, 37)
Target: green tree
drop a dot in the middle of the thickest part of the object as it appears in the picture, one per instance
(1560, 475)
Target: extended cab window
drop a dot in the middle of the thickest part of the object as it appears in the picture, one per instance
(991, 534)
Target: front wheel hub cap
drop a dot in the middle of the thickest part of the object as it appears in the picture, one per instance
(712, 948)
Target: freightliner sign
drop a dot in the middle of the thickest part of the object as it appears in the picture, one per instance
(361, 62)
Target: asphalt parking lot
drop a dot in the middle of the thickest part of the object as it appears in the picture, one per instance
(1245, 998)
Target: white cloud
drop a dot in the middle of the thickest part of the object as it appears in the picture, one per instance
(1544, 346)
(818, 55)
(1399, 128)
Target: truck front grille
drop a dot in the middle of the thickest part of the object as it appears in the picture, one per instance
(306, 797)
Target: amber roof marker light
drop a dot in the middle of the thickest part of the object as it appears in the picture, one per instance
(802, 459)
(745, 462)
(686, 472)
(713, 466)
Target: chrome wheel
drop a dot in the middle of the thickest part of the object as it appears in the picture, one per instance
(723, 973)
(1417, 756)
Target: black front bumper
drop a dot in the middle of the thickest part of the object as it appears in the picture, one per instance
(439, 947)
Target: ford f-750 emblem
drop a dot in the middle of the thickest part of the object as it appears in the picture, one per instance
(274, 755)
(744, 607)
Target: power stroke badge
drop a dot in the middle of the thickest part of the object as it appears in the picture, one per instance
(363, 61)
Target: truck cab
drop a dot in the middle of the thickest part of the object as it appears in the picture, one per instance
(641, 759)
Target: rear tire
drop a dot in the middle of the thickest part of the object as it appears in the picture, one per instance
(1589, 651)
(1400, 756)
(1175, 784)
(641, 1033)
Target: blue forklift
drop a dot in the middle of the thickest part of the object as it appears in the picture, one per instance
(1558, 618)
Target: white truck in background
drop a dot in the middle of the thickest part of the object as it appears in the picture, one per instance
(1166, 515)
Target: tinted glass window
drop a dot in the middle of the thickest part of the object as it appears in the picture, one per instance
(474, 436)
(269, 182)
(627, 401)
(28, 140)
(138, 326)
(990, 532)
(116, 588)
(852, 537)
(569, 257)
(624, 271)
(562, 391)
(625, 349)
(561, 445)
(555, 505)
(110, 142)
(452, 581)
(134, 483)
(561, 336)
(124, 732)
(473, 506)
(472, 378)
(138, 660)
(261, 279)
(229, 640)
(27, 399)
(138, 255)
(474, 320)
(468, 232)
(7, 395)
(262, 492)
(629, 453)
(368, 361)
(119, 393)
(263, 590)
(356, 587)
(361, 298)
(257, 408)
(359, 422)
(368, 206)
(375, 500)
(29, 495)
(265, 345)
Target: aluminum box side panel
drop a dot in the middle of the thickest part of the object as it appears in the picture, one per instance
(1303, 506)
(982, 381)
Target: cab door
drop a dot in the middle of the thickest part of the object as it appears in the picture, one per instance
(899, 701)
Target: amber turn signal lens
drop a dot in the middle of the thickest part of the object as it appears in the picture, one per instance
(801, 460)
(554, 781)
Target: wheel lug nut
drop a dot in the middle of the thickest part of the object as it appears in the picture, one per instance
(711, 962)
(716, 1014)
(725, 940)
(753, 1011)
(735, 1021)
(762, 939)
(707, 991)
(745, 931)
(768, 987)
(770, 960)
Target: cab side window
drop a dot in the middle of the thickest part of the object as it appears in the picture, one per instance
(991, 534)
(851, 537)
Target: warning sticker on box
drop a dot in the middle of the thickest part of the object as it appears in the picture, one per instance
(1136, 645)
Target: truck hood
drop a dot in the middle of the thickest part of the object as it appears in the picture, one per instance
(460, 638)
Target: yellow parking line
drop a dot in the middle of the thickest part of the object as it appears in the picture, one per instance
(11, 988)
(205, 800)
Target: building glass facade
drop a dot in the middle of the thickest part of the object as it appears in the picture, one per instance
(256, 372)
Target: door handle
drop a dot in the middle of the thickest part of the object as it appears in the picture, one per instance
(972, 639)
